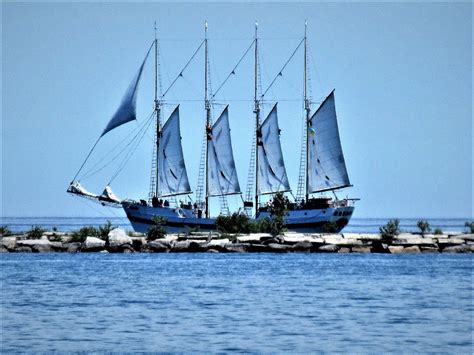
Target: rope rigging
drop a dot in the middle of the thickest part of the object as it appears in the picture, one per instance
(280, 73)
(142, 130)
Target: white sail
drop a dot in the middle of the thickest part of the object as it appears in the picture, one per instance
(173, 178)
(222, 175)
(271, 167)
(126, 112)
(326, 165)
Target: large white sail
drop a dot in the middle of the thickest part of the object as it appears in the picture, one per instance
(173, 178)
(126, 112)
(222, 175)
(271, 167)
(326, 165)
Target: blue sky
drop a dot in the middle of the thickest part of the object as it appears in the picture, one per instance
(402, 73)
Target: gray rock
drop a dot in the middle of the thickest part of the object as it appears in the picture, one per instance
(466, 236)
(329, 248)
(117, 241)
(180, 246)
(9, 243)
(212, 251)
(92, 244)
(359, 249)
(278, 248)
(429, 249)
(3, 249)
(23, 249)
(395, 249)
(272, 240)
(237, 248)
(158, 246)
(344, 250)
(304, 247)
(412, 249)
(464, 248)
(42, 245)
(74, 247)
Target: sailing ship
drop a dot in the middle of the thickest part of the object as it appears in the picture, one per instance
(322, 169)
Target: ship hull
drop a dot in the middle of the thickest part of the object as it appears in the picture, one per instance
(184, 220)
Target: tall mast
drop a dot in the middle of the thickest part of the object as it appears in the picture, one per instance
(157, 113)
(307, 108)
(257, 117)
(207, 106)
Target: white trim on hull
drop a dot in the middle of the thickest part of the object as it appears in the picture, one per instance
(181, 220)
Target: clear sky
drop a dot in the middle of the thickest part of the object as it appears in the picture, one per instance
(402, 73)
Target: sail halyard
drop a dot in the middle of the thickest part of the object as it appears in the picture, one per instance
(327, 168)
(158, 121)
(257, 116)
(307, 107)
(207, 106)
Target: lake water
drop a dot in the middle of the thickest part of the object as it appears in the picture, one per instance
(356, 225)
(237, 302)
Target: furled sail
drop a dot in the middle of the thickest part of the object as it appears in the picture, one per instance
(326, 165)
(222, 175)
(173, 178)
(271, 168)
(126, 112)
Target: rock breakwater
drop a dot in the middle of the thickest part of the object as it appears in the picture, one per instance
(119, 242)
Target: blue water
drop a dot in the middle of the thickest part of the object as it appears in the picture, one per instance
(237, 302)
(356, 225)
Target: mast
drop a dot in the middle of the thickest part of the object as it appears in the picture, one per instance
(257, 117)
(157, 113)
(207, 106)
(307, 108)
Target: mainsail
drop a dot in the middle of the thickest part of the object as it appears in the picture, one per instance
(271, 168)
(173, 178)
(222, 175)
(326, 165)
(126, 112)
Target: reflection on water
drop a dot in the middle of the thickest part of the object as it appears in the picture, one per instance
(237, 302)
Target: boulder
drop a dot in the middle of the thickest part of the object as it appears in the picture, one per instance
(412, 249)
(329, 248)
(466, 237)
(252, 238)
(92, 244)
(138, 243)
(42, 245)
(449, 242)
(272, 240)
(158, 246)
(117, 241)
(74, 247)
(23, 249)
(212, 251)
(465, 248)
(359, 249)
(9, 243)
(363, 237)
(344, 250)
(303, 246)
(278, 248)
(425, 249)
(395, 249)
(237, 247)
(3, 249)
(180, 246)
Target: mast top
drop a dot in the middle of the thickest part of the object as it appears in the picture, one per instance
(155, 30)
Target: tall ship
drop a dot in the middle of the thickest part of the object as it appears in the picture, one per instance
(322, 165)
